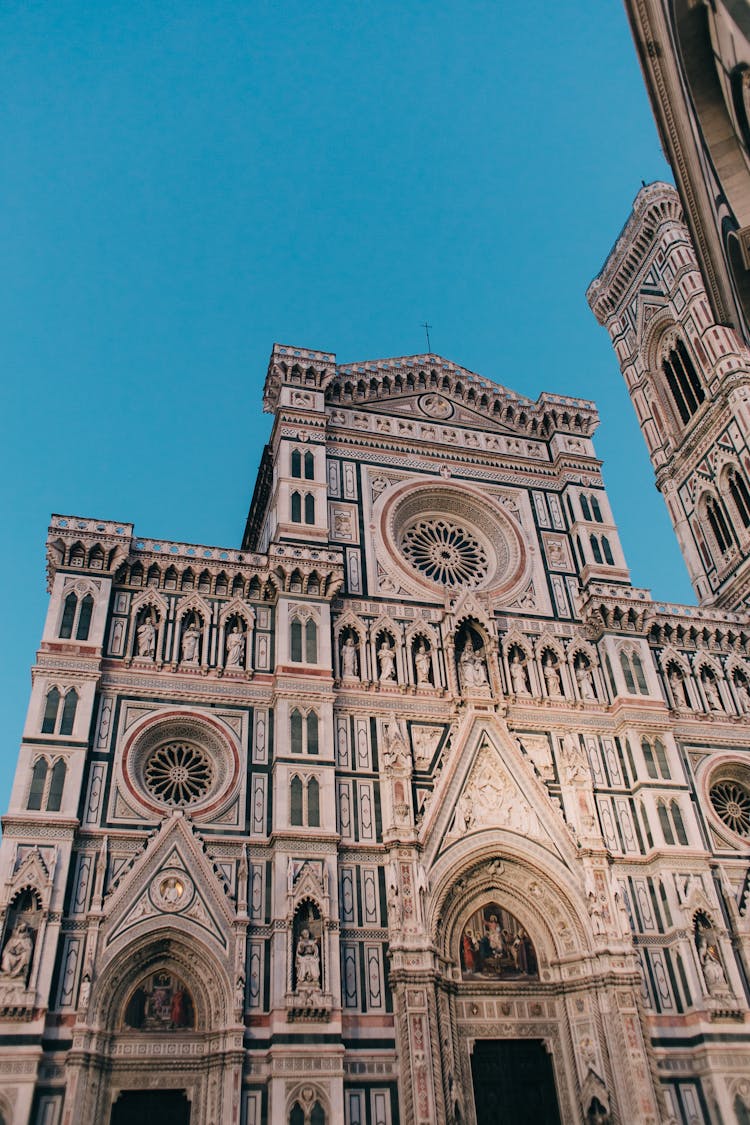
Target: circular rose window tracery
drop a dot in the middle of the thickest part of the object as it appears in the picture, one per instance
(731, 802)
(178, 773)
(445, 552)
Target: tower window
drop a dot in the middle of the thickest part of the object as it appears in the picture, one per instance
(309, 466)
(307, 633)
(47, 785)
(83, 611)
(84, 618)
(296, 508)
(741, 495)
(69, 712)
(304, 803)
(296, 464)
(596, 510)
(585, 508)
(38, 783)
(595, 548)
(309, 508)
(607, 551)
(683, 381)
(718, 524)
(49, 722)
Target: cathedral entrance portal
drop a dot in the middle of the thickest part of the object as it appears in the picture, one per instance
(151, 1107)
(513, 1083)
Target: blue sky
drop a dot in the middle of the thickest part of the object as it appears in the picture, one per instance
(181, 185)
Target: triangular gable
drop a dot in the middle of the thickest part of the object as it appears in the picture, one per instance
(173, 878)
(489, 784)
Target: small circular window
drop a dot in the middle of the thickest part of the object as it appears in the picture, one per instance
(730, 798)
(445, 552)
(178, 773)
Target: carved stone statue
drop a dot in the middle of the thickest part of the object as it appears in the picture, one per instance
(471, 667)
(518, 676)
(190, 644)
(386, 662)
(571, 759)
(235, 648)
(146, 642)
(711, 692)
(708, 956)
(85, 991)
(743, 695)
(677, 684)
(17, 954)
(307, 961)
(552, 678)
(349, 659)
(464, 813)
(585, 682)
(422, 663)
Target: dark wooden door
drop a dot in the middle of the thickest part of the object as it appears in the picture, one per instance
(513, 1083)
(151, 1107)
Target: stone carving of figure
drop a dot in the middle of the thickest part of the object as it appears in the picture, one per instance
(712, 693)
(235, 648)
(85, 991)
(713, 972)
(349, 659)
(585, 682)
(386, 662)
(464, 813)
(552, 678)
(16, 957)
(190, 643)
(472, 668)
(596, 914)
(677, 685)
(743, 695)
(518, 676)
(147, 639)
(307, 961)
(422, 663)
(574, 766)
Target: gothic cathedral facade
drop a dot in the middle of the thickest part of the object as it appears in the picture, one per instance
(412, 810)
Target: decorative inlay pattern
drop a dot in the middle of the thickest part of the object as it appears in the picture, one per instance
(178, 773)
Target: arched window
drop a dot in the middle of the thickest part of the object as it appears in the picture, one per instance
(683, 381)
(297, 1116)
(69, 712)
(648, 757)
(607, 551)
(296, 464)
(596, 510)
(312, 732)
(661, 757)
(627, 672)
(309, 508)
(585, 507)
(295, 801)
(296, 508)
(311, 642)
(68, 617)
(646, 825)
(639, 676)
(581, 556)
(595, 548)
(313, 803)
(317, 1117)
(84, 618)
(49, 722)
(666, 826)
(296, 731)
(739, 492)
(309, 466)
(679, 824)
(57, 781)
(718, 524)
(296, 641)
(38, 783)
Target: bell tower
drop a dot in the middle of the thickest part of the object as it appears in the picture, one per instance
(689, 380)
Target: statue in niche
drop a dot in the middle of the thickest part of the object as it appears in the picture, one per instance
(677, 684)
(422, 663)
(395, 755)
(307, 961)
(552, 677)
(18, 951)
(708, 957)
(711, 692)
(386, 662)
(349, 659)
(464, 818)
(518, 677)
(743, 695)
(585, 681)
(146, 639)
(472, 670)
(235, 648)
(191, 643)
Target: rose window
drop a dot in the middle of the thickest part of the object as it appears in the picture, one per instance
(731, 802)
(445, 552)
(178, 773)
